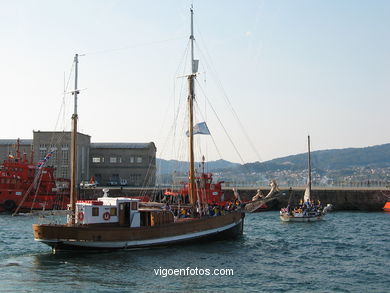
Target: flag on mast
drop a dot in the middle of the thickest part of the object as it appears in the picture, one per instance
(200, 128)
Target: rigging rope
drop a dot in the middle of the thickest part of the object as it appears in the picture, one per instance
(223, 127)
(104, 51)
(211, 134)
(230, 106)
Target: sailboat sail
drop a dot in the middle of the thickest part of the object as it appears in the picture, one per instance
(306, 196)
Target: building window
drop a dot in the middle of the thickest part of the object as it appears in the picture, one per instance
(65, 147)
(112, 159)
(42, 154)
(139, 159)
(64, 157)
(96, 160)
(95, 212)
(42, 147)
(112, 212)
(132, 160)
(64, 172)
(135, 179)
(53, 155)
(119, 159)
(134, 205)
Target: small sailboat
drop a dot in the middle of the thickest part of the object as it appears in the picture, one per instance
(120, 223)
(308, 211)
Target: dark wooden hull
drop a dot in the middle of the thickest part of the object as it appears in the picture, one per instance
(64, 237)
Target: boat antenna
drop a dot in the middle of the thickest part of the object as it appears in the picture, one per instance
(191, 97)
(73, 179)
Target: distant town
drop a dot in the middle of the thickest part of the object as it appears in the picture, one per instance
(354, 177)
(350, 167)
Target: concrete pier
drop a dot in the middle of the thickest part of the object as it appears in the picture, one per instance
(363, 199)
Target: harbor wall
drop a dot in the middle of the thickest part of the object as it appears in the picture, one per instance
(340, 198)
(363, 199)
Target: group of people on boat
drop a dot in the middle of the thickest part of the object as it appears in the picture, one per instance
(212, 210)
(305, 208)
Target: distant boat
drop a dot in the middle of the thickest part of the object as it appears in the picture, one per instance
(308, 211)
(386, 208)
(120, 223)
(25, 186)
(259, 201)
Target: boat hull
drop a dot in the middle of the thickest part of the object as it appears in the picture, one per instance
(287, 218)
(91, 238)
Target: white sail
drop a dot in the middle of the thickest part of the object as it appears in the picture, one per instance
(306, 196)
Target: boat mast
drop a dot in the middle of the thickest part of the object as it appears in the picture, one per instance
(191, 97)
(73, 151)
(309, 163)
(18, 149)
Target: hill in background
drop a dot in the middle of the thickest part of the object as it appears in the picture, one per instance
(352, 166)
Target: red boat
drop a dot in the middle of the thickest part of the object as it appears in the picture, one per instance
(386, 208)
(207, 191)
(30, 186)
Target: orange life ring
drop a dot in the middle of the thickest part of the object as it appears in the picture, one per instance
(80, 216)
(106, 216)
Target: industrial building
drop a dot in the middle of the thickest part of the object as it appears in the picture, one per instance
(126, 164)
(132, 164)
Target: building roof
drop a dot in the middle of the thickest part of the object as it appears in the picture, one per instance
(13, 141)
(122, 145)
(56, 132)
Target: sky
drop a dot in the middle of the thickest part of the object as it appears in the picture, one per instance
(274, 71)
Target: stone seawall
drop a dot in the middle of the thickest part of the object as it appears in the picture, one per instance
(363, 199)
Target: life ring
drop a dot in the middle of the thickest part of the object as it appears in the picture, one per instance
(80, 216)
(106, 216)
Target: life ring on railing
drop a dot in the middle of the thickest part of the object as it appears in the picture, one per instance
(106, 216)
(80, 216)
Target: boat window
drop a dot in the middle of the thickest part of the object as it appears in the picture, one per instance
(95, 212)
(112, 211)
(112, 159)
(134, 206)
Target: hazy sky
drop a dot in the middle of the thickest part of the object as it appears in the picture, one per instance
(288, 68)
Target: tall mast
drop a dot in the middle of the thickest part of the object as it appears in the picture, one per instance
(191, 97)
(309, 162)
(73, 151)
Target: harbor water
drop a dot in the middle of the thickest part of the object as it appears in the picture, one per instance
(346, 252)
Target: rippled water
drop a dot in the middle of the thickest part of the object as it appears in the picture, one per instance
(347, 252)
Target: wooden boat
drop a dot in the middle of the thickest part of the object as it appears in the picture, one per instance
(259, 201)
(25, 186)
(308, 211)
(118, 223)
